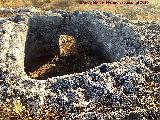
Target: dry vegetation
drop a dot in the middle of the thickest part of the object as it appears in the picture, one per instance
(43, 69)
(147, 12)
(17, 111)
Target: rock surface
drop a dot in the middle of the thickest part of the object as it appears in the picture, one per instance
(126, 88)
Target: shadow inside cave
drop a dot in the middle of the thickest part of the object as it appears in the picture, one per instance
(54, 49)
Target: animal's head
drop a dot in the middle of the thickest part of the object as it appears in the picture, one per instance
(67, 45)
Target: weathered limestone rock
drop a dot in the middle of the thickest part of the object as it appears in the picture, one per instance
(127, 63)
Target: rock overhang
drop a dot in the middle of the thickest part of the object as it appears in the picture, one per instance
(102, 32)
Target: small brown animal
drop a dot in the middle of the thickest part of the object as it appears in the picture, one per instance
(67, 45)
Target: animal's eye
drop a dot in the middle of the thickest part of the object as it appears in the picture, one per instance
(63, 41)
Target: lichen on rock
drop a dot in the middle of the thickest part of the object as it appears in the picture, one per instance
(125, 70)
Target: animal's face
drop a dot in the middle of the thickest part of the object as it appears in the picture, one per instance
(67, 45)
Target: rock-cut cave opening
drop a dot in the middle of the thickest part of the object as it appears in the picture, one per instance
(51, 52)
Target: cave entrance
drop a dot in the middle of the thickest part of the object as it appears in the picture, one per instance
(55, 51)
(71, 58)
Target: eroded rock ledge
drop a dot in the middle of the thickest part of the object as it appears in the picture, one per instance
(115, 88)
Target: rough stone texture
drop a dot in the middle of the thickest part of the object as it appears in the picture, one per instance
(108, 91)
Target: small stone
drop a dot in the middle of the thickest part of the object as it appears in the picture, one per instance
(103, 68)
